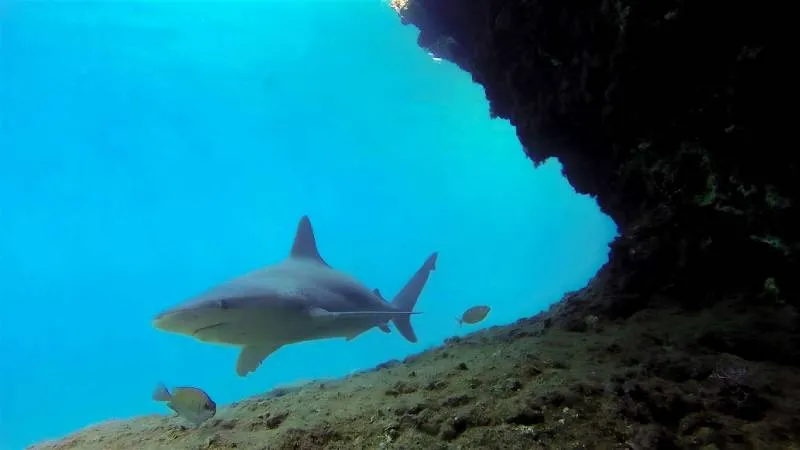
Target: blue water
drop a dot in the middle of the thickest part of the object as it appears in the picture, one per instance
(152, 149)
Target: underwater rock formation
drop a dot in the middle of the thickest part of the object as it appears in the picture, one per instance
(635, 384)
(665, 111)
(689, 337)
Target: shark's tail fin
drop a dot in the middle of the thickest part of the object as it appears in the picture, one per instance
(406, 299)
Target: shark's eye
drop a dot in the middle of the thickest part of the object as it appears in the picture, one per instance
(223, 304)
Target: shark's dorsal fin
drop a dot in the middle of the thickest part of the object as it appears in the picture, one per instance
(377, 292)
(305, 245)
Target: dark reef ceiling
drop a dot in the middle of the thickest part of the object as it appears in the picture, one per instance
(667, 111)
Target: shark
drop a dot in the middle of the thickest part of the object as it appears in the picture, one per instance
(300, 298)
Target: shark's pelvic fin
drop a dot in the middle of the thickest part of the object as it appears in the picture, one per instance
(305, 244)
(383, 326)
(406, 299)
(252, 356)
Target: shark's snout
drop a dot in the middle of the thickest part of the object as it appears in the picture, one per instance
(185, 320)
(172, 321)
(206, 319)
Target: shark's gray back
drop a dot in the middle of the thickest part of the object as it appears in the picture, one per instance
(328, 288)
(297, 283)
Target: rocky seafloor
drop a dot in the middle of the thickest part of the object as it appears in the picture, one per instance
(688, 338)
(566, 379)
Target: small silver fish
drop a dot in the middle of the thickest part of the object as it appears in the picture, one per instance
(474, 315)
(192, 404)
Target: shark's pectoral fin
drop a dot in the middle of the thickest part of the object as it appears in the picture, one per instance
(383, 327)
(251, 357)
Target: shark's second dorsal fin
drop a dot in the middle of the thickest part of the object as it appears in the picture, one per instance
(305, 245)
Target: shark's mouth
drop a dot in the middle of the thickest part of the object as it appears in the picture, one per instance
(199, 330)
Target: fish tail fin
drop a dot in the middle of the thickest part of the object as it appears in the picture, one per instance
(161, 393)
(406, 299)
